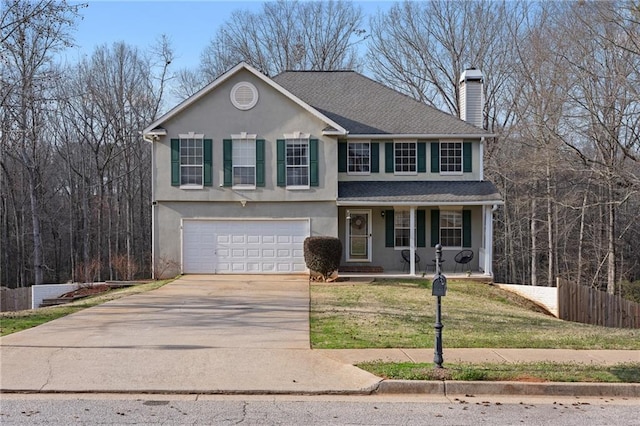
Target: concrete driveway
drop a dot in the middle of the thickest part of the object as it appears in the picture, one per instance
(198, 334)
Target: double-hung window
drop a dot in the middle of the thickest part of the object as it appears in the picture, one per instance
(402, 228)
(191, 160)
(359, 158)
(451, 157)
(451, 228)
(405, 157)
(297, 161)
(244, 160)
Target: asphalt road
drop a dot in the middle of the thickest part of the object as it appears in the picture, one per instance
(58, 409)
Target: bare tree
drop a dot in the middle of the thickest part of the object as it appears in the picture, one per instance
(31, 33)
(284, 35)
(421, 48)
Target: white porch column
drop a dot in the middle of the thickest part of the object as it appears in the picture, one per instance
(412, 240)
(488, 238)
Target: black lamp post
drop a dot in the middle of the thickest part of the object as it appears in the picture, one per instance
(438, 289)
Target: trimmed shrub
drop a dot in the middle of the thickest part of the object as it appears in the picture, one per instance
(322, 255)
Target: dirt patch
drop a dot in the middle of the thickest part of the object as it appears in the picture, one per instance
(87, 291)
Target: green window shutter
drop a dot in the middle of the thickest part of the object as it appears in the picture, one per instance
(435, 157)
(175, 162)
(388, 157)
(342, 157)
(435, 227)
(207, 148)
(421, 219)
(227, 148)
(260, 162)
(466, 228)
(375, 157)
(422, 157)
(314, 179)
(281, 169)
(467, 165)
(389, 229)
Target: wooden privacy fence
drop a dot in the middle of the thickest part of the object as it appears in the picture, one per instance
(15, 299)
(584, 304)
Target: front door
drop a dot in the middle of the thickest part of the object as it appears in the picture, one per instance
(359, 235)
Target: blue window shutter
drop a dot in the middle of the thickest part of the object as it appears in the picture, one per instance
(175, 162)
(227, 148)
(422, 157)
(389, 224)
(435, 157)
(260, 181)
(466, 228)
(314, 179)
(342, 156)
(467, 164)
(207, 162)
(375, 157)
(421, 219)
(388, 157)
(281, 158)
(435, 227)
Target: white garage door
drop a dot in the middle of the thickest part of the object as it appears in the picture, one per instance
(243, 246)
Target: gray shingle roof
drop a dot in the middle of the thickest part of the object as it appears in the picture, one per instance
(364, 106)
(427, 192)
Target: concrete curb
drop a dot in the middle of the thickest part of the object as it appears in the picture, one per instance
(630, 390)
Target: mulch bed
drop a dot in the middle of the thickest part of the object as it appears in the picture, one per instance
(86, 291)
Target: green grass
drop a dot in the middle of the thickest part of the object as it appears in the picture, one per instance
(526, 372)
(12, 322)
(401, 314)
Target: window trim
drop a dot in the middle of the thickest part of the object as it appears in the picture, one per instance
(191, 136)
(289, 137)
(441, 156)
(349, 157)
(443, 212)
(415, 158)
(234, 140)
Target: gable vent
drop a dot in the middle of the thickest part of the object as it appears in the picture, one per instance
(244, 96)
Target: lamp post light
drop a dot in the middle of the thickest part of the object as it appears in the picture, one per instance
(438, 289)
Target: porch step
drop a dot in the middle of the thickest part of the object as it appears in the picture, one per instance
(361, 269)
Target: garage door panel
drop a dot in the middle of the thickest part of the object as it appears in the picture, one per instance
(252, 246)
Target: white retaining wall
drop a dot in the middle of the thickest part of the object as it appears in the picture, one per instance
(544, 296)
(49, 291)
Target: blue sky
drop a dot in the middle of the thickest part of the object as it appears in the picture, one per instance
(189, 24)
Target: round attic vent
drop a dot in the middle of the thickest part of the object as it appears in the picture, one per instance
(244, 95)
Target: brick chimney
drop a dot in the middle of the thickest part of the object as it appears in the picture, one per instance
(471, 94)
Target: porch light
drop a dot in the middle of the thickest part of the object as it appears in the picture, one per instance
(382, 213)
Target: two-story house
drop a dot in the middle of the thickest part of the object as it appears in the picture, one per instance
(248, 167)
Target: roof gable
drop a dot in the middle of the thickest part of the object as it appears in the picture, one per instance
(332, 126)
(365, 107)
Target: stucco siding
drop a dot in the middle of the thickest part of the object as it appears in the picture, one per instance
(169, 215)
(274, 115)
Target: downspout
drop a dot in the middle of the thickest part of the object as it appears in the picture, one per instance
(151, 139)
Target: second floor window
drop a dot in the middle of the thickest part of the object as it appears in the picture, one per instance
(405, 157)
(359, 158)
(451, 157)
(191, 161)
(244, 160)
(297, 162)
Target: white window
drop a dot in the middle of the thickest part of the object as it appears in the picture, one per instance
(297, 161)
(359, 158)
(244, 160)
(405, 157)
(402, 228)
(191, 160)
(451, 228)
(451, 157)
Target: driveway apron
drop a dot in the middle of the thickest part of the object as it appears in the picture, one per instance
(198, 334)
